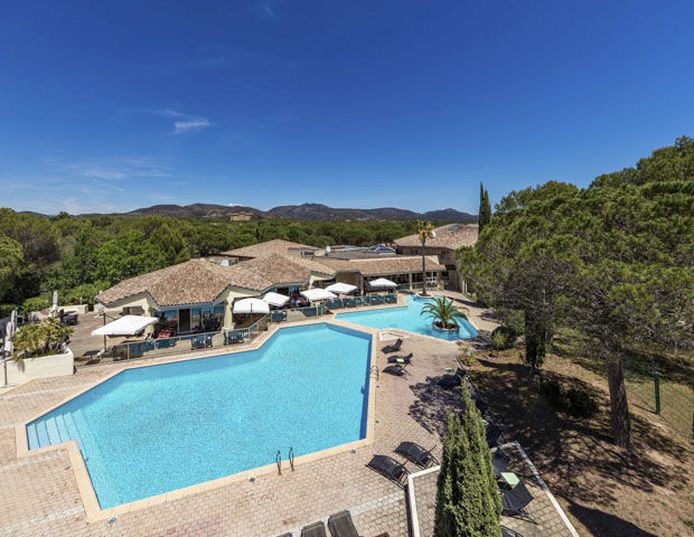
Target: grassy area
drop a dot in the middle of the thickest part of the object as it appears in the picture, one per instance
(605, 491)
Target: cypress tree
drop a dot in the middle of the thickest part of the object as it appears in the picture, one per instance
(485, 210)
(467, 500)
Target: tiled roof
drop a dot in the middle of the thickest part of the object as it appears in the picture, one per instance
(283, 269)
(452, 236)
(193, 282)
(275, 246)
(381, 266)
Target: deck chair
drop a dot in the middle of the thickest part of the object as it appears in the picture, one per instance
(394, 359)
(396, 369)
(415, 453)
(288, 534)
(389, 467)
(317, 529)
(499, 463)
(395, 347)
(341, 525)
(508, 532)
(515, 501)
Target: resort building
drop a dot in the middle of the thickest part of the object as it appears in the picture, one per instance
(198, 295)
(449, 238)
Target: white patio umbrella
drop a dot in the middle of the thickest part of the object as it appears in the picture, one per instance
(54, 306)
(316, 295)
(341, 288)
(128, 325)
(251, 305)
(8, 347)
(383, 282)
(275, 299)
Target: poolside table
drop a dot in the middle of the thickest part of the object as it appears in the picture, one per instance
(510, 478)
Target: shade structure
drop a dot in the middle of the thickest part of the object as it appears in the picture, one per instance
(383, 282)
(251, 305)
(341, 288)
(275, 299)
(315, 295)
(128, 325)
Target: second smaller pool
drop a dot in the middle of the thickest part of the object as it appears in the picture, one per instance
(408, 318)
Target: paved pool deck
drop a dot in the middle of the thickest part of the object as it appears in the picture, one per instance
(40, 496)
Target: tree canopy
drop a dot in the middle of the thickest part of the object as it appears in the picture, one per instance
(613, 261)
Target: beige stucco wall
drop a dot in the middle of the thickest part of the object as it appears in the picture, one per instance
(56, 365)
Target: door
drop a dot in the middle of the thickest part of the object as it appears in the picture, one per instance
(184, 320)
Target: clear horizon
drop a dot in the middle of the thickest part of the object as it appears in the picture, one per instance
(110, 108)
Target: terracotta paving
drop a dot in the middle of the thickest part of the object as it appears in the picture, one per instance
(39, 495)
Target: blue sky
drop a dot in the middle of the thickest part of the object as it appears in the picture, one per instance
(363, 104)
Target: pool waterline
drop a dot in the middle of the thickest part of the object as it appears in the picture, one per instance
(345, 353)
(408, 318)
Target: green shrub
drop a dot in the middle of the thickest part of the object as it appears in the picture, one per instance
(503, 338)
(36, 303)
(551, 391)
(6, 310)
(34, 340)
(83, 294)
(580, 404)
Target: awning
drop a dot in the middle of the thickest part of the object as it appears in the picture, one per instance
(251, 305)
(341, 288)
(382, 282)
(128, 325)
(275, 299)
(318, 294)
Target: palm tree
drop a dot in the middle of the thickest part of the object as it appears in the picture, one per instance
(443, 312)
(425, 230)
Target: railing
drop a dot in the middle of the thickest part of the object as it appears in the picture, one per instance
(296, 314)
(158, 347)
(238, 335)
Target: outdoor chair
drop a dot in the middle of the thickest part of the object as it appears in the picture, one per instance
(389, 467)
(508, 532)
(406, 359)
(396, 369)
(391, 299)
(341, 525)
(278, 316)
(516, 500)
(395, 347)
(317, 529)
(499, 463)
(288, 534)
(415, 453)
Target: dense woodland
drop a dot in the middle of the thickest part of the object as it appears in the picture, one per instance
(613, 263)
(79, 256)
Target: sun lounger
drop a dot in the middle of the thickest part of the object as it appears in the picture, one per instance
(508, 532)
(499, 463)
(389, 467)
(400, 359)
(317, 529)
(288, 534)
(515, 501)
(395, 347)
(341, 525)
(396, 369)
(416, 453)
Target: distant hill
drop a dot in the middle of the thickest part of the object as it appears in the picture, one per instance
(305, 211)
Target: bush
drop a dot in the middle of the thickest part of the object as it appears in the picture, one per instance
(503, 338)
(551, 391)
(580, 404)
(83, 294)
(34, 340)
(36, 303)
(6, 310)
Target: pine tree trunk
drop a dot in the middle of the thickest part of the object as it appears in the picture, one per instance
(621, 426)
(535, 337)
(424, 270)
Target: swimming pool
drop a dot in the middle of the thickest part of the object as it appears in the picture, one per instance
(158, 428)
(407, 318)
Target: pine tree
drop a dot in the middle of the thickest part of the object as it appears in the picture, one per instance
(485, 211)
(467, 500)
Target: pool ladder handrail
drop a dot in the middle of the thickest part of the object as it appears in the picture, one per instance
(373, 369)
(278, 462)
(291, 458)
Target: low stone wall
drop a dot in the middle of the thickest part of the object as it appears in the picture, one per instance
(55, 365)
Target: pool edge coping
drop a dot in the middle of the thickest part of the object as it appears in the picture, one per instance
(90, 502)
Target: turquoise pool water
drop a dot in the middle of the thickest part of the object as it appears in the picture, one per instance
(153, 429)
(407, 318)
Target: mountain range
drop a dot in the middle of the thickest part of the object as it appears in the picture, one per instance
(305, 211)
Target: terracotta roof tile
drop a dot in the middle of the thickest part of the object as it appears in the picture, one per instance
(275, 246)
(398, 264)
(451, 236)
